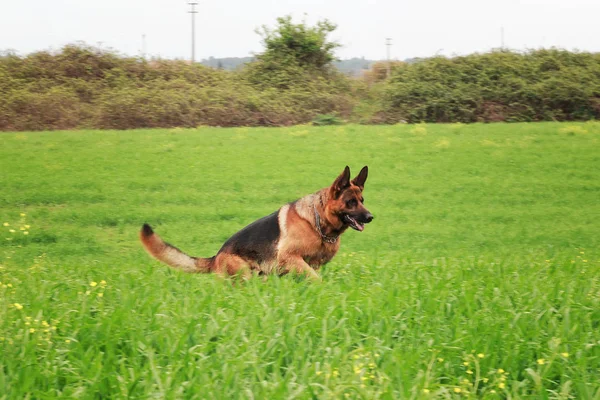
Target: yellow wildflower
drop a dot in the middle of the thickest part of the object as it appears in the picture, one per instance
(485, 380)
(45, 324)
(335, 373)
(93, 284)
(27, 226)
(500, 371)
(480, 355)
(469, 372)
(501, 385)
(31, 330)
(541, 361)
(466, 363)
(11, 230)
(103, 282)
(100, 294)
(67, 341)
(440, 359)
(565, 354)
(457, 390)
(18, 306)
(425, 391)
(25, 233)
(6, 224)
(492, 391)
(9, 285)
(319, 373)
(23, 214)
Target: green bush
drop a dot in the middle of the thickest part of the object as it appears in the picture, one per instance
(83, 87)
(55, 108)
(497, 86)
(326, 119)
(290, 83)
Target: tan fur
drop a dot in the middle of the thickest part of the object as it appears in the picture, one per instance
(158, 249)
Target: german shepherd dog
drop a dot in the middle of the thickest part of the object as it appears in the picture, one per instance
(299, 237)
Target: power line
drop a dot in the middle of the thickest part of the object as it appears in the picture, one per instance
(193, 11)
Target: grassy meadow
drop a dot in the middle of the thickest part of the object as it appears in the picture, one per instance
(478, 278)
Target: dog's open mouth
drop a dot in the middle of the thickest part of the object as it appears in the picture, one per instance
(354, 224)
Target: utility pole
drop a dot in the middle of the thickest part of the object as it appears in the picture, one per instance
(143, 46)
(193, 11)
(388, 44)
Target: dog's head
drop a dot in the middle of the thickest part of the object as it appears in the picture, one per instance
(346, 202)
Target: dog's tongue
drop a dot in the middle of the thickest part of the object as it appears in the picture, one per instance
(356, 225)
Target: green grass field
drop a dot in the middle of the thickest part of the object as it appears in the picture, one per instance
(478, 278)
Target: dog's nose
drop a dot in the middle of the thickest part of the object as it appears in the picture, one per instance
(369, 217)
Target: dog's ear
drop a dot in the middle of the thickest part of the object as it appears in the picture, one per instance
(340, 183)
(361, 178)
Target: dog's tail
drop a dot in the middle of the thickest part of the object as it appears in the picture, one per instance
(171, 255)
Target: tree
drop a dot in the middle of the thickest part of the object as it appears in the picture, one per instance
(298, 44)
(296, 55)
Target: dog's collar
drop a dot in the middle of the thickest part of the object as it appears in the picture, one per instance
(328, 239)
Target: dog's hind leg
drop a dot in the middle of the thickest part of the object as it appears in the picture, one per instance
(232, 265)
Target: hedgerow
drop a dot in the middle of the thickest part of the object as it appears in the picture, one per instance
(292, 82)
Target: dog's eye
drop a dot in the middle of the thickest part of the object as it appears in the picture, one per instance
(351, 203)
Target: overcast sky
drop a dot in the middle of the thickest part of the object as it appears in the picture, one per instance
(225, 28)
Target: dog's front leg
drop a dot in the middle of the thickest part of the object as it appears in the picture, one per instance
(299, 266)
